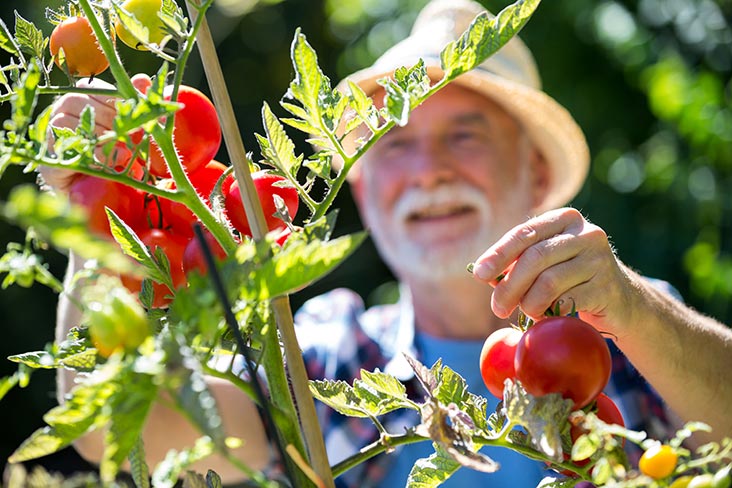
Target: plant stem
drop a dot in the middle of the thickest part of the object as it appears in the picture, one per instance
(253, 209)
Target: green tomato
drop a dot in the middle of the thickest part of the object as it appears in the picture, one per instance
(682, 482)
(146, 12)
(116, 321)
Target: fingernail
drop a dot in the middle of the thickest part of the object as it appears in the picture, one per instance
(483, 272)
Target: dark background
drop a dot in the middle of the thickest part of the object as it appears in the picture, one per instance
(648, 80)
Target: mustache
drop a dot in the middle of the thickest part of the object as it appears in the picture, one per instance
(417, 200)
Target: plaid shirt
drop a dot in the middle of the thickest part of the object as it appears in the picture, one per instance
(339, 337)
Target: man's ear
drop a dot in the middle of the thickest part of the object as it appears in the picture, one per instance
(540, 176)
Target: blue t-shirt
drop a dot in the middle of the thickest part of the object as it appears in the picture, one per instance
(515, 470)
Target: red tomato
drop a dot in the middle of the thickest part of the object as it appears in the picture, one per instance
(264, 183)
(96, 193)
(174, 246)
(167, 214)
(141, 82)
(497, 359)
(563, 355)
(83, 56)
(196, 132)
(193, 257)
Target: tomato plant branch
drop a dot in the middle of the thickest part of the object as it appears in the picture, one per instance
(253, 209)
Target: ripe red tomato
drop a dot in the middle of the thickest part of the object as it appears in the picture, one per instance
(81, 51)
(96, 193)
(173, 245)
(497, 359)
(264, 183)
(196, 132)
(193, 258)
(563, 355)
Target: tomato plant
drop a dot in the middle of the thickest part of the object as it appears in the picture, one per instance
(82, 55)
(497, 359)
(146, 13)
(563, 354)
(196, 132)
(658, 461)
(267, 185)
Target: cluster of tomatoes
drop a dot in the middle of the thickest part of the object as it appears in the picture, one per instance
(559, 354)
(166, 224)
(74, 46)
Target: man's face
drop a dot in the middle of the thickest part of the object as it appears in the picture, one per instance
(438, 192)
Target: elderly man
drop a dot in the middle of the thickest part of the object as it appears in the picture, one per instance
(460, 183)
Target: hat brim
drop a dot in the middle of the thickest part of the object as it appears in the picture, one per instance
(549, 125)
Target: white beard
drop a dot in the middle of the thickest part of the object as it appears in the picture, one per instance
(440, 258)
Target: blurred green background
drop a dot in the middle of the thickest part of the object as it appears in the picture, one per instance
(648, 80)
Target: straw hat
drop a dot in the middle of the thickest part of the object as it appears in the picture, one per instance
(509, 77)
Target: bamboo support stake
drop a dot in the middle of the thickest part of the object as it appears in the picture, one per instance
(281, 306)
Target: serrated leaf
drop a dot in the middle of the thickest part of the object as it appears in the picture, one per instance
(195, 398)
(299, 265)
(384, 383)
(432, 471)
(309, 82)
(295, 110)
(66, 422)
(132, 246)
(427, 378)
(377, 400)
(125, 426)
(278, 148)
(451, 387)
(30, 39)
(24, 99)
(38, 131)
(82, 361)
(485, 36)
(138, 466)
(6, 40)
(35, 360)
(167, 473)
(339, 396)
(304, 126)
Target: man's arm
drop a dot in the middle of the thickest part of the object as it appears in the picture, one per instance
(166, 429)
(561, 257)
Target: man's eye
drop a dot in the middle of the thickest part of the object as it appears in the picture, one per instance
(466, 136)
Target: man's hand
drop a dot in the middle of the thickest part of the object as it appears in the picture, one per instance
(66, 113)
(557, 257)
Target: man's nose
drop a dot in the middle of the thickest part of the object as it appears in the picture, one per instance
(432, 164)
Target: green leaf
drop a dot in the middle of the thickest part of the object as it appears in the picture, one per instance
(339, 396)
(195, 398)
(130, 410)
(30, 38)
(138, 467)
(38, 131)
(309, 83)
(297, 266)
(432, 471)
(6, 39)
(66, 422)
(24, 99)
(35, 360)
(166, 473)
(451, 387)
(277, 148)
(484, 37)
(384, 383)
(155, 267)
